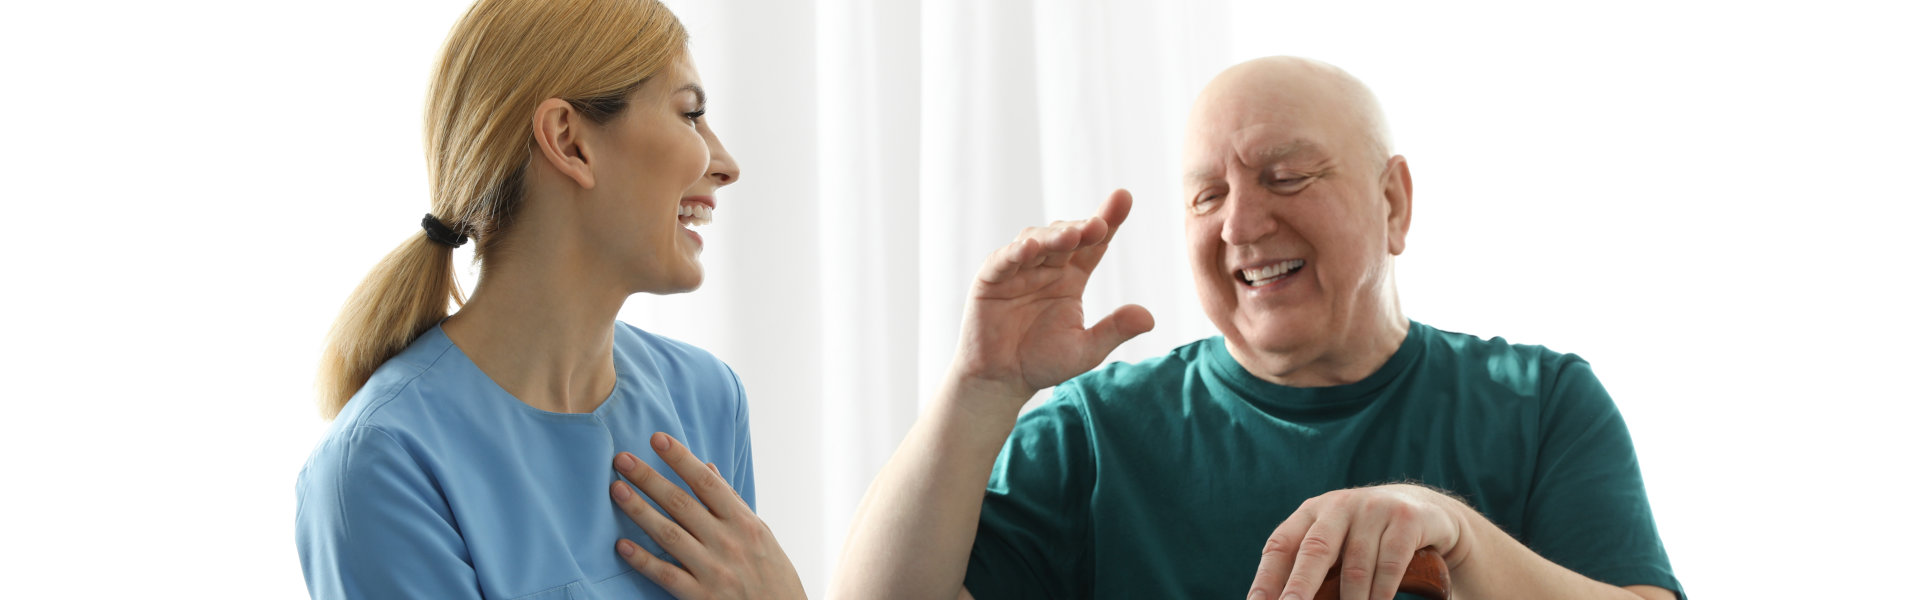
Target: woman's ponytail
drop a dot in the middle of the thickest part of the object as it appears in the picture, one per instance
(405, 295)
(501, 60)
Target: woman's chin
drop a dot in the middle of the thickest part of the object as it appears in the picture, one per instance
(680, 281)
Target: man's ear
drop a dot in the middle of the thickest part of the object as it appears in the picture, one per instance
(1397, 185)
(559, 131)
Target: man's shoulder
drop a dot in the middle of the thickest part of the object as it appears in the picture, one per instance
(1524, 368)
(1121, 380)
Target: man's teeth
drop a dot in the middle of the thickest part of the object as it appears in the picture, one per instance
(696, 214)
(1265, 275)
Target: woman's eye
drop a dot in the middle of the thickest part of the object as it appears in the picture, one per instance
(695, 115)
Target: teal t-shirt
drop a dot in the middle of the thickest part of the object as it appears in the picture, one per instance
(1163, 479)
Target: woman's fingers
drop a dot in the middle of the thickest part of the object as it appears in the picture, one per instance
(706, 482)
(675, 580)
(671, 537)
(689, 516)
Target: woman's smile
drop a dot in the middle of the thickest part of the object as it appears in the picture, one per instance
(696, 211)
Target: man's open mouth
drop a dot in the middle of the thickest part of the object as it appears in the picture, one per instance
(1262, 276)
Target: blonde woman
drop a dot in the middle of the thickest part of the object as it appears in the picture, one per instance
(483, 454)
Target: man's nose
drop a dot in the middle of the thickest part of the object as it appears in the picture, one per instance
(1248, 219)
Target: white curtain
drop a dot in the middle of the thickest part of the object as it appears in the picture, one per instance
(887, 146)
(1586, 176)
(1708, 200)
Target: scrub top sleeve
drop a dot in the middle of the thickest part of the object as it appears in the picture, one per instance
(742, 476)
(1589, 511)
(371, 524)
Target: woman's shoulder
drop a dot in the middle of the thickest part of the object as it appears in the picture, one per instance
(662, 354)
(430, 394)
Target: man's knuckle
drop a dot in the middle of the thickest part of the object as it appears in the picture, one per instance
(1317, 547)
(1391, 566)
(1298, 582)
(1275, 545)
(1401, 511)
(1356, 574)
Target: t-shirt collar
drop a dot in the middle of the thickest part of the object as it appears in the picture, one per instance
(1313, 401)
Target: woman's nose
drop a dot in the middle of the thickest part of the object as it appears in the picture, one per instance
(721, 166)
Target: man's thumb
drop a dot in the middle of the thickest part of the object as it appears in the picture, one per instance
(1124, 324)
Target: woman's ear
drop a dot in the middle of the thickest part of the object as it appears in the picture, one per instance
(558, 130)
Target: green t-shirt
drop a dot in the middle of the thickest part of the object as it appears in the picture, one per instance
(1163, 479)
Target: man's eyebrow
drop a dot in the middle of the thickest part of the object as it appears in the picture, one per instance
(699, 93)
(1265, 156)
(1199, 175)
(1283, 151)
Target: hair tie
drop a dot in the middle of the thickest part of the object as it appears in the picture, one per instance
(441, 233)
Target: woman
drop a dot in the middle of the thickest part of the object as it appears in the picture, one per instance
(470, 454)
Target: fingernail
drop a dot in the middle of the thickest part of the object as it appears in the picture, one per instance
(1257, 595)
(620, 492)
(625, 548)
(660, 442)
(624, 462)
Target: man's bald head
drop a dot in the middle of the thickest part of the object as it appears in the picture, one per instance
(1293, 85)
(1296, 207)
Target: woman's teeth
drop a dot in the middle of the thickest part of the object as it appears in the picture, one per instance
(1270, 273)
(696, 214)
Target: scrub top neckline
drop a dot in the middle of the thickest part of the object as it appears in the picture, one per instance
(621, 378)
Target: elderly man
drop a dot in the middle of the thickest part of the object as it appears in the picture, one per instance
(1320, 426)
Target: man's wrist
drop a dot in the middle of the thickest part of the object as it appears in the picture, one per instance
(981, 400)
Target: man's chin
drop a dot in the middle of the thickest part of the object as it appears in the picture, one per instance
(1278, 334)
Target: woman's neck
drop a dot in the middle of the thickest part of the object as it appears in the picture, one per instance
(541, 330)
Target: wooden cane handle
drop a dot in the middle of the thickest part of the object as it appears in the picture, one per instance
(1426, 577)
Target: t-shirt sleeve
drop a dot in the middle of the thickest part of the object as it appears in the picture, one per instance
(1033, 522)
(370, 523)
(1588, 511)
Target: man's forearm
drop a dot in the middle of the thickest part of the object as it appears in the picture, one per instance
(1501, 568)
(914, 529)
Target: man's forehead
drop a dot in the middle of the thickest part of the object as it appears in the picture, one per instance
(1210, 151)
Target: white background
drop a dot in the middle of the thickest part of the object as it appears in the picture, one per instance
(1709, 201)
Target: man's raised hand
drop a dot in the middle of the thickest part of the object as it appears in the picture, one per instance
(1024, 329)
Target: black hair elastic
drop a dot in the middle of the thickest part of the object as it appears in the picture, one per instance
(441, 233)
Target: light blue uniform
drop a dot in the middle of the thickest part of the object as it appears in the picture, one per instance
(436, 483)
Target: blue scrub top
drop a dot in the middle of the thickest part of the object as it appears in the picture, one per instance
(436, 483)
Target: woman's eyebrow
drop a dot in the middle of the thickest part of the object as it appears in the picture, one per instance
(699, 93)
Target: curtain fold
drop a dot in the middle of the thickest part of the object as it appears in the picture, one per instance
(887, 147)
